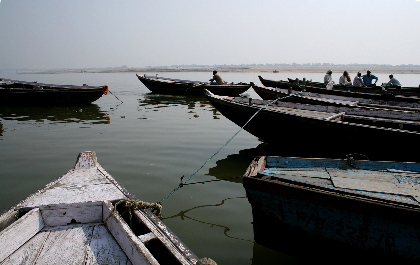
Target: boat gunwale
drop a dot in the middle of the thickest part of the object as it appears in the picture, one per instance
(257, 108)
(253, 180)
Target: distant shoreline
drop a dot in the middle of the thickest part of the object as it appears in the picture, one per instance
(245, 69)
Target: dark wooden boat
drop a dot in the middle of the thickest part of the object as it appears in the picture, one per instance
(271, 93)
(87, 217)
(350, 206)
(375, 130)
(407, 94)
(13, 92)
(171, 86)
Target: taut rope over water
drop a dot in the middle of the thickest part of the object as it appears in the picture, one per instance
(228, 141)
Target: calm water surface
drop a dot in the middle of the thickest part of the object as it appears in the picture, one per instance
(148, 143)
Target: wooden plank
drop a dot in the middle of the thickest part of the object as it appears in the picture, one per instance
(376, 186)
(104, 248)
(7, 219)
(72, 244)
(363, 174)
(20, 232)
(167, 238)
(315, 173)
(135, 250)
(77, 186)
(64, 214)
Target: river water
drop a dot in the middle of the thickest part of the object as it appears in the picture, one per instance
(147, 142)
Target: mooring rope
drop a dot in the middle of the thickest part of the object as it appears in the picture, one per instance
(183, 183)
(131, 205)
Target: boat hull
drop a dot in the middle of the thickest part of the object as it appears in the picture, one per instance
(14, 92)
(332, 138)
(267, 93)
(186, 87)
(49, 97)
(411, 95)
(305, 214)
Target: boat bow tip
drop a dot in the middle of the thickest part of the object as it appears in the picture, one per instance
(86, 160)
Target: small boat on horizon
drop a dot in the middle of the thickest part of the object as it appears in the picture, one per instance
(87, 217)
(162, 85)
(13, 92)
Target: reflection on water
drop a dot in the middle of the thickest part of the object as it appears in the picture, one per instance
(90, 114)
(157, 101)
(173, 100)
(184, 215)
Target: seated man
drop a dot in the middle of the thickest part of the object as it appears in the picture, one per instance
(328, 77)
(367, 79)
(216, 78)
(393, 81)
(358, 81)
(345, 79)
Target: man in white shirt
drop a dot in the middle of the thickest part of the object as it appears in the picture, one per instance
(216, 78)
(327, 77)
(345, 79)
(393, 81)
(358, 81)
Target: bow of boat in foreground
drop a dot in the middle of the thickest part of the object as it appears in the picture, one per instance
(86, 217)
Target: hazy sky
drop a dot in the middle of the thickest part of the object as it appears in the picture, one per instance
(107, 33)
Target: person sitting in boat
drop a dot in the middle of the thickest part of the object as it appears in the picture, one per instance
(358, 81)
(367, 79)
(217, 79)
(393, 82)
(328, 77)
(345, 79)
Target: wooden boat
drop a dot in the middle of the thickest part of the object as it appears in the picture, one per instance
(13, 92)
(171, 86)
(380, 93)
(271, 93)
(347, 128)
(336, 205)
(86, 217)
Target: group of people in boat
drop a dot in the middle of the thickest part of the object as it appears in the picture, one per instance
(367, 80)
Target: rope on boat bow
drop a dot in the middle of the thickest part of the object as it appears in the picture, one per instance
(131, 205)
(183, 183)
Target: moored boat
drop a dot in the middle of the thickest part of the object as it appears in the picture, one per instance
(13, 92)
(271, 93)
(87, 217)
(348, 208)
(407, 94)
(172, 86)
(344, 128)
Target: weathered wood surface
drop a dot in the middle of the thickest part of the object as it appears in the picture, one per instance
(72, 244)
(20, 232)
(70, 222)
(364, 204)
(374, 183)
(129, 242)
(88, 181)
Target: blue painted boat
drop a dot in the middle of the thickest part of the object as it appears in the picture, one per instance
(365, 206)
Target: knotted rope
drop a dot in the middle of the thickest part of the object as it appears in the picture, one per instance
(131, 205)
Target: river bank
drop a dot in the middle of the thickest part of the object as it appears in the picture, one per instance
(385, 69)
